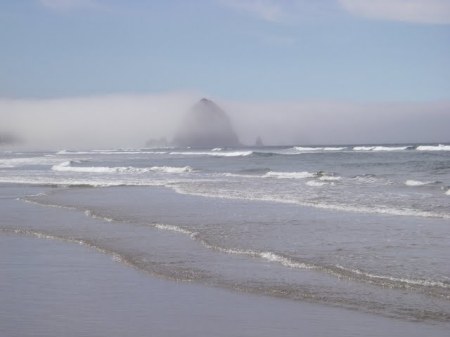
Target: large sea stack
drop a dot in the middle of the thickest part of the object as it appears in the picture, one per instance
(206, 125)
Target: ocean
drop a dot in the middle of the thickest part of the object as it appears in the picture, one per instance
(358, 227)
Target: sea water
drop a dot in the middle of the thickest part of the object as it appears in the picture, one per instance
(364, 227)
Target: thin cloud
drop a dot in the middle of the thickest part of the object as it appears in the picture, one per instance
(416, 11)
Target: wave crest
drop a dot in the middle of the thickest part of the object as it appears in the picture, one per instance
(312, 149)
(289, 175)
(380, 148)
(440, 147)
(418, 183)
(215, 153)
(67, 167)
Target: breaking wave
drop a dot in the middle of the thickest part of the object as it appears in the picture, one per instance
(67, 167)
(221, 152)
(289, 175)
(329, 148)
(171, 169)
(109, 152)
(214, 152)
(440, 147)
(31, 161)
(419, 183)
(320, 205)
(381, 148)
(315, 183)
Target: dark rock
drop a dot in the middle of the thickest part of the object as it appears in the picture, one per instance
(206, 125)
(8, 139)
(259, 142)
(155, 142)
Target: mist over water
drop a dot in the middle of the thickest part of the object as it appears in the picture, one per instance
(124, 121)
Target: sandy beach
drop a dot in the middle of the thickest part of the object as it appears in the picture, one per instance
(55, 288)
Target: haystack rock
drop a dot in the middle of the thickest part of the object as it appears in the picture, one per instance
(206, 125)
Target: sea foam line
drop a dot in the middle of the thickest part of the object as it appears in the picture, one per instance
(397, 280)
(42, 235)
(87, 212)
(312, 149)
(440, 147)
(418, 183)
(29, 161)
(338, 270)
(346, 208)
(380, 148)
(67, 167)
(214, 153)
(289, 175)
(266, 255)
(107, 152)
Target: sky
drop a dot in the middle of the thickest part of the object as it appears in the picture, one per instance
(312, 68)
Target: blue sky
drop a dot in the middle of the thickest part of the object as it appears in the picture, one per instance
(304, 72)
(248, 50)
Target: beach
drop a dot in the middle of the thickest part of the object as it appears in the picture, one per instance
(224, 243)
(55, 288)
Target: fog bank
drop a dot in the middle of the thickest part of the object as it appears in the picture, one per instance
(114, 121)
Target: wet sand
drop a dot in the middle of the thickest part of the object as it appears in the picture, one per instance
(56, 288)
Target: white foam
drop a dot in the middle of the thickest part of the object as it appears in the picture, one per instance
(104, 152)
(215, 153)
(67, 167)
(217, 149)
(272, 257)
(302, 149)
(447, 192)
(269, 256)
(312, 149)
(380, 148)
(92, 215)
(173, 228)
(85, 181)
(16, 162)
(363, 148)
(337, 207)
(67, 152)
(315, 183)
(417, 183)
(330, 178)
(390, 148)
(439, 147)
(171, 169)
(289, 175)
(334, 148)
(232, 154)
(406, 282)
(115, 257)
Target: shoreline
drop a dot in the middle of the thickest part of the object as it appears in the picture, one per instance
(171, 252)
(84, 292)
